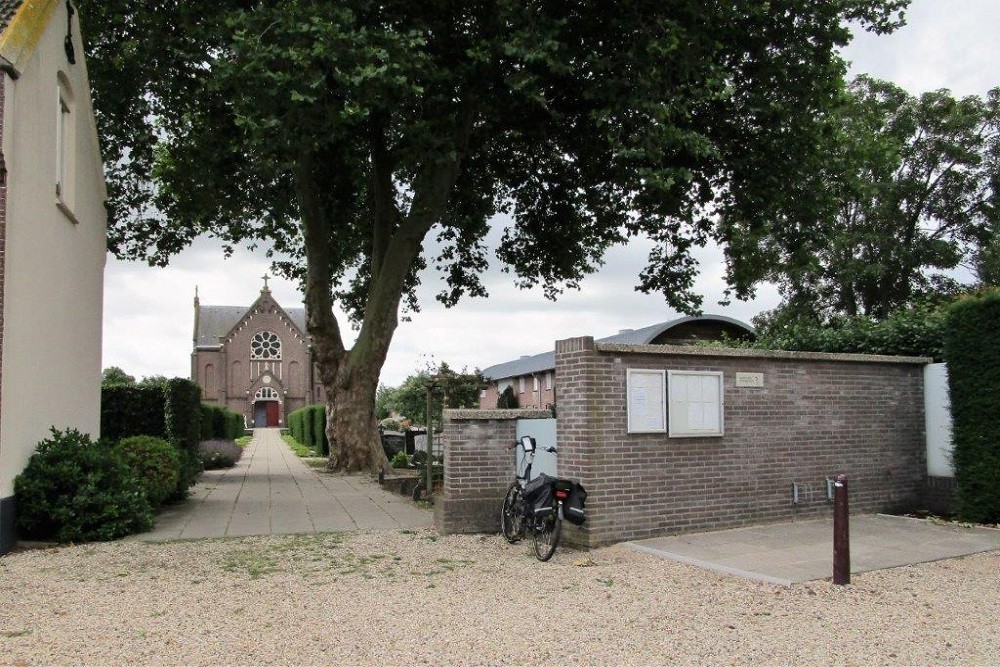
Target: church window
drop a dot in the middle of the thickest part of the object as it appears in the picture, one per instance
(265, 345)
(266, 394)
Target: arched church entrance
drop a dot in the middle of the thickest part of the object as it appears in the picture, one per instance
(266, 408)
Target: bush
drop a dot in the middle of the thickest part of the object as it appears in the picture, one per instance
(400, 460)
(308, 426)
(319, 430)
(972, 351)
(219, 423)
(217, 454)
(507, 399)
(76, 490)
(155, 463)
(419, 458)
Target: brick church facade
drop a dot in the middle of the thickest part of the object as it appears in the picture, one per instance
(256, 360)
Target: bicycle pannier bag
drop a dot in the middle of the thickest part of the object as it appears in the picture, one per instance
(573, 507)
(538, 496)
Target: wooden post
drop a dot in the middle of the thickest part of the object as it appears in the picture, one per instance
(430, 440)
(841, 533)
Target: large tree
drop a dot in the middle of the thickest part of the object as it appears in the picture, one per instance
(344, 133)
(909, 193)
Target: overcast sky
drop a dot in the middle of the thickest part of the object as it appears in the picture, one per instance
(148, 312)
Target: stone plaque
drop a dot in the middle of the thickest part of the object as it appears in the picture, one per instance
(749, 379)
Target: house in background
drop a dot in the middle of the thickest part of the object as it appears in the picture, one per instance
(52, 238)
(256, 360)
(533, 377)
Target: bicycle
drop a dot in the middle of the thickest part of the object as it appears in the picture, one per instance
(519, 515)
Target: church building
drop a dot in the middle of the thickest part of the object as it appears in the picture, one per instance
(256, 360)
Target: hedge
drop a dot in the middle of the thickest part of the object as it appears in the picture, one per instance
(132, 410)
(308, 426)
(219, 423)
(972, 352)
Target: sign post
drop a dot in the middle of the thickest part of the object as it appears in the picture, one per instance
(841, 533)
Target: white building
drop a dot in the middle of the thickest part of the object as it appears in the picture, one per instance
(52, 237)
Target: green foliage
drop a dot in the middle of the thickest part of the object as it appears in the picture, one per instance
(507, 399)
(220, 423)
(155, 463)
(182, 418)
(972, 351)
(77, 490)
(128, 410)
(244, 440)
(219, 453)
(905, 192)
(400, 460)
(409, 399)
(307, 426)
(297, 447)
(114, 376)
(916, 331)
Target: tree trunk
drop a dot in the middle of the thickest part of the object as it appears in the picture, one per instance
(351, 427)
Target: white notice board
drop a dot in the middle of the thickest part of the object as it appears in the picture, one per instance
(646, 399)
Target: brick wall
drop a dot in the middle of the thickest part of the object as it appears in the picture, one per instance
(529, 398)
(816, 416)
(478, 467)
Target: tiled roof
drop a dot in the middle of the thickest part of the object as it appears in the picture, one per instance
(546, 361)
(217, 321)
(7, 10)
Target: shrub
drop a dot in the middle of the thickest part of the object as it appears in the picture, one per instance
(319, 430)
(972, 351)
(507, 399)
(217, 454)
(76, 490)
(400, 460)
(182, 417)
(155, 463)
(220, 423)
(419, 458)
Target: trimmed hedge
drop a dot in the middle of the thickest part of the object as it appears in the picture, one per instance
(182, 416)
(308, 426)
(219, 423)
(972, 352)
(128, 410)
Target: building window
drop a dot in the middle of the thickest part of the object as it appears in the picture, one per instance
(548, 380)
(520, 384)
(645, 395)
(265, 345)
(695, 404)
(482, 393)
(65, 148)
(266, 394)
(535, 383)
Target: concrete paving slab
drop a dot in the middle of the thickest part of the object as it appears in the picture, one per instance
(800, 551)
(271, 491)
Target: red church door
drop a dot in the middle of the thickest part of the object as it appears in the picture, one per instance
(273, 411)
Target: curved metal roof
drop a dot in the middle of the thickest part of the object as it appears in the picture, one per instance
(546, 361)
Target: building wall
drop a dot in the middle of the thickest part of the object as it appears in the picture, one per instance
(529, 398)
(815, 417)
(53, 260)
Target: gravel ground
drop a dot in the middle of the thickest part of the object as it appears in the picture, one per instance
(410, 597)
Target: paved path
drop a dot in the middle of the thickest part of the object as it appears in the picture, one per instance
(786, 553)
(271, 491)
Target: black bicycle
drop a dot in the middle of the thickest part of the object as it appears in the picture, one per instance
(538, 506)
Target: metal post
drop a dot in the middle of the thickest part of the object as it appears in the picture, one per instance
(841, 533)
(430, 440)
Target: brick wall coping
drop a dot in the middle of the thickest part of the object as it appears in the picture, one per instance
(494, 415)
(694, 351)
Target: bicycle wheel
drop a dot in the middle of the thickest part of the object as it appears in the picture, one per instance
(511, 515)
(546, 536)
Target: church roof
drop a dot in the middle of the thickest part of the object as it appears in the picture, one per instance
(7, 10)
(215, 322)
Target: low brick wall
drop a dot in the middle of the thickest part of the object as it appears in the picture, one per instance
(478, 467)
(815, 416)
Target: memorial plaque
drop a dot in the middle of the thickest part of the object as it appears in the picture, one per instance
(749, 379)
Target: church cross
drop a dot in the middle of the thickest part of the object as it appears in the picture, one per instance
(265, 280)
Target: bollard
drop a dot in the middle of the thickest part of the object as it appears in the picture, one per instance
(841, 533)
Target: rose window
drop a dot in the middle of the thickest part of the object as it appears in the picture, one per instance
(265, 345)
